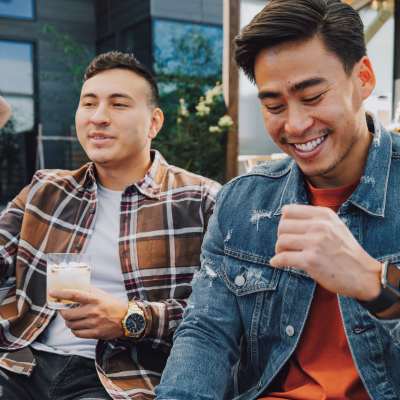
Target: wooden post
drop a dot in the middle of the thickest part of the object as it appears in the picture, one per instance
(231, 83)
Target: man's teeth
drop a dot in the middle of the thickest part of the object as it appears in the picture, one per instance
(311, 145)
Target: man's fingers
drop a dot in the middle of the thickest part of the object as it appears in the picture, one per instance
(300, 211)
(294, 226)
(294, 259)
(76, 296)
(75, 313)
(290, 242)
(80, 324)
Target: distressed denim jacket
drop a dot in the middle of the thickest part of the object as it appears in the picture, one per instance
(245, 318)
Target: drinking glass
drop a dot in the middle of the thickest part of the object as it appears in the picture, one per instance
(67, 271)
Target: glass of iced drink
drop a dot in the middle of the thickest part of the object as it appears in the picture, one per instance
(67, 271)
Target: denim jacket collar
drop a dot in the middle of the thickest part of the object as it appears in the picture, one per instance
(370, 194)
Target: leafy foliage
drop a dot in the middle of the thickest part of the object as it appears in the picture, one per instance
(193, 136)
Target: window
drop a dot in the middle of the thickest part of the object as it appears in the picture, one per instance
(16, 81)
(187, 48)
(378, 19)
(17, 9)
(16, 137)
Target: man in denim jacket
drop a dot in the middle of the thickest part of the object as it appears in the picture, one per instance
(295, 300)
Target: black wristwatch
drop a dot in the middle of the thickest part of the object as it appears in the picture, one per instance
(390, 289)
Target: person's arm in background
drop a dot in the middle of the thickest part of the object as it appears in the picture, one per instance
(5, 112)
(206, 343)
(10, 227)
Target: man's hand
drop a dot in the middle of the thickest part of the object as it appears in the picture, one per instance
(5, 111)
(315, 240)
(98, 316)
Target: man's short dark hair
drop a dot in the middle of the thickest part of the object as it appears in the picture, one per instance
(116, 59)
(336, 23)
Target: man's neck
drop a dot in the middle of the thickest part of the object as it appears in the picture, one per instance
(118, 178)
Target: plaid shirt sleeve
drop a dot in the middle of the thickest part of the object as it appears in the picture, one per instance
(10, 226)
(164, 317)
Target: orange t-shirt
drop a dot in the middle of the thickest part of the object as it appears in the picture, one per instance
(321, 367)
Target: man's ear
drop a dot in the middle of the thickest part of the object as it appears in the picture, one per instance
(157, 122)
(366, 77)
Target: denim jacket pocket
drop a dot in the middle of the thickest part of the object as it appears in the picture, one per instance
(246, 274)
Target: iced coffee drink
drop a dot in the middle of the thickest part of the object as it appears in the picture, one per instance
(67, 271)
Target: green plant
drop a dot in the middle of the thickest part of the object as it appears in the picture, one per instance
(197, 141)
(194, 133)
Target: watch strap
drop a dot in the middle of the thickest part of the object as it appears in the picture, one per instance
(390, 292)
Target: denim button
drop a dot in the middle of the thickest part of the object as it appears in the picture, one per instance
(289, 330)
(240, 280)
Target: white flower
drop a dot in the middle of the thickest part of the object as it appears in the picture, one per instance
(183, 111)
(214, 129)
(202, 109)
(225, 121)
(212, 93)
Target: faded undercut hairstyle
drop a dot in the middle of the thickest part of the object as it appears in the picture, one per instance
(116, 59)
(337, 24)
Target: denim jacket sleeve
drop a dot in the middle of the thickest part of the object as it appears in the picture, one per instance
(206, 344)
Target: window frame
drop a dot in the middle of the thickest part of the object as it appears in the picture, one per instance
(21, 18)
(35, 84)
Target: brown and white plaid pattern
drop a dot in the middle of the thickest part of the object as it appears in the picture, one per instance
(162, 222)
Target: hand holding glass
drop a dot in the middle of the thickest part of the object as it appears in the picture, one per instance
(67, 271)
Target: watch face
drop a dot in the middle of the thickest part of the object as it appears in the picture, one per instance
(135, 323)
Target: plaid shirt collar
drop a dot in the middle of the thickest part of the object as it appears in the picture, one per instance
(149, 186)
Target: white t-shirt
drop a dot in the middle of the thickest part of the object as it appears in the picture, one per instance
(106, 274)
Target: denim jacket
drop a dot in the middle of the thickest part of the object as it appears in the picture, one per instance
(245, 318)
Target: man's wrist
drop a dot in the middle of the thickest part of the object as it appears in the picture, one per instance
(134, 322)
(389, 293)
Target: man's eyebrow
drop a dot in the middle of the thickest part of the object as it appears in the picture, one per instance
(123, 95)
(297, 87)
(268, 94)
(85, 95)
(112, 96)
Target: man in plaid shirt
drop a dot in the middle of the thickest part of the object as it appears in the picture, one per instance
(142, 222)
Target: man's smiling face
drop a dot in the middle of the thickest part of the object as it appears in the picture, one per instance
(313, 109)
(115, 121)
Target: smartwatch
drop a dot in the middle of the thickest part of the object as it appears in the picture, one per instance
(390, 289)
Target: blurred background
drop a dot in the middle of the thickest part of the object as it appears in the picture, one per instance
(213, 123)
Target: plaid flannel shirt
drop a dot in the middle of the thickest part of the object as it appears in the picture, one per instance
(162, 222)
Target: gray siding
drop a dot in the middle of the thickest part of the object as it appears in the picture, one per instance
(118, 15)
(203, 11)
(56, 99)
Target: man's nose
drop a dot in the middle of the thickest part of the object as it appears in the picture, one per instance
(100, 116)
(298, 121)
